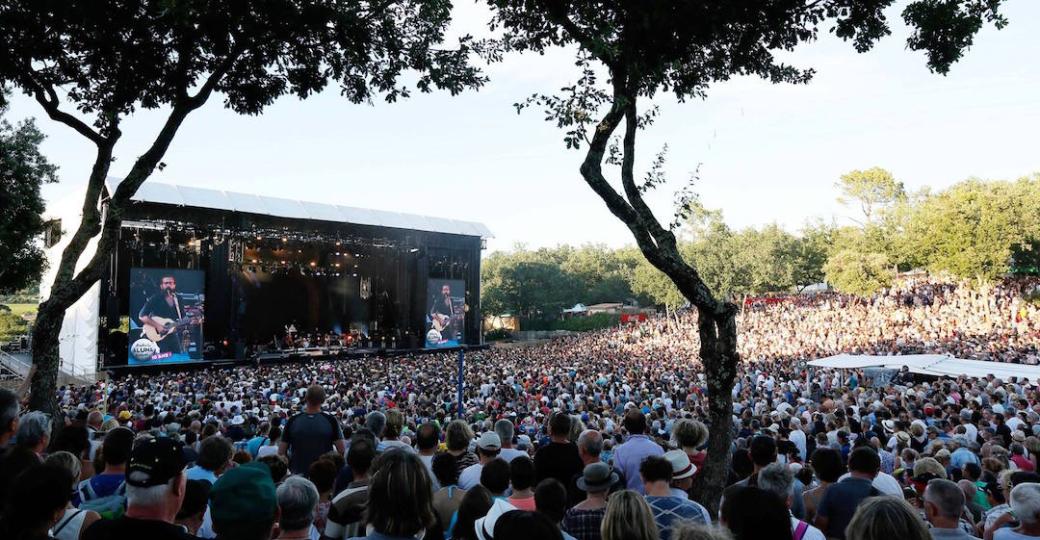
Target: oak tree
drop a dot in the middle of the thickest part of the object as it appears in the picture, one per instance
(629, 51)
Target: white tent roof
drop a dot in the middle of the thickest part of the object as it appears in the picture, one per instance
(932, 364)
(156, 192)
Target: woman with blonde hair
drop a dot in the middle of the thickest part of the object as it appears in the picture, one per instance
(886, 518)
(628, 518)
(74, 521)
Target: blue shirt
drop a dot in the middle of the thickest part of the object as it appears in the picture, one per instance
(254, 444)
(670, 509)
(630, 455)
(198, 473)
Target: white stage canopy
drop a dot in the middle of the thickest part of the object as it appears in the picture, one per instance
(932, 364)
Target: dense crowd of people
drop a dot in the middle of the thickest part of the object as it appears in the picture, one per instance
(597, 436)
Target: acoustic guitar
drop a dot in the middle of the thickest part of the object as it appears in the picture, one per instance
(170, 327)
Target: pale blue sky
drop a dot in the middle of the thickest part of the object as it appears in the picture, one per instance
(768, 153)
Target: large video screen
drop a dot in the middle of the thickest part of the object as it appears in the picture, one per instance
(445, 313)
(166, 315)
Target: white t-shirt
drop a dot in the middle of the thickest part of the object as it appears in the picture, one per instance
(509, 454)
(883, 482)
(470, 476)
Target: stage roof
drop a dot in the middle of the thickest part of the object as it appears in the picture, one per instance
(157, 192)
(932, 364)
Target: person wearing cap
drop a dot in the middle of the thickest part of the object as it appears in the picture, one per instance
(656, 473)
(311, 433)
(488, 446)
(583, 521)
(243, 503)
(155, 489)
(590, 448)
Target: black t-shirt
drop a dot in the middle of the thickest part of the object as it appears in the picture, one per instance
(558, 460)
(157, 306)
(309, 436)
(125, 528)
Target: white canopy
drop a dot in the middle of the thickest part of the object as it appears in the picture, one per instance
(932, 364)
(158, 192)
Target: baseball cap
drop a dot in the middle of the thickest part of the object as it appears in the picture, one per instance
(244, 494)
(124, 415)
(154, 462)
(489, 440)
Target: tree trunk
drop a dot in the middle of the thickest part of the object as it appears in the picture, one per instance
(46, 331)
(718, 334)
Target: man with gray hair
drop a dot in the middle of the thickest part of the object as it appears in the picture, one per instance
(505, 431)
(297, 500)
(155, 487)
(590, 446)
(779, 480)
(34, 432)
(943, 507)
(1025, 505)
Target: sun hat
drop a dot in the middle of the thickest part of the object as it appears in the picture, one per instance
(485, 526)
(681, 466)
(596, 478)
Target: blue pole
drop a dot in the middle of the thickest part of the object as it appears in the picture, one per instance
(462, 362)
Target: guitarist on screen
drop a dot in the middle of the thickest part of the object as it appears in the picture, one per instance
(441, 311)
(165, 304)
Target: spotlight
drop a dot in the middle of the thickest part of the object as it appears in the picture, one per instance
(313, 264)
(413, 250)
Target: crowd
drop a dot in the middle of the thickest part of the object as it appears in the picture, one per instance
(599, 436)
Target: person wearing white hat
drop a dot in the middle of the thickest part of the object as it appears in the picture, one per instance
(485, 526)
(488, 447)
(682, 472)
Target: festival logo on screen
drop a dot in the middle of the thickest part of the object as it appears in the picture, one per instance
(446, 313)
(166, 315)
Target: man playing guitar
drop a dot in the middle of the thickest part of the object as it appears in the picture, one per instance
(160, 310)
(442, 312)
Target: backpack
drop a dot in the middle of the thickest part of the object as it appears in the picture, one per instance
(108, 507)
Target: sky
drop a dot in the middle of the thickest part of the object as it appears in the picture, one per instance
(765, 153)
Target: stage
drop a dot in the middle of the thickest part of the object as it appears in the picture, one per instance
(204, 277)
(293, 356)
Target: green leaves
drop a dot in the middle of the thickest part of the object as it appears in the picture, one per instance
(23, 169)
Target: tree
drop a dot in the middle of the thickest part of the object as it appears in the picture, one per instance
(859, 273)
(91, 64)
(683, 46)
(23, 169)
(976, 229)
(872, 189)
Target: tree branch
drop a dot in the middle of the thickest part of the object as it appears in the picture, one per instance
(47, 97)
